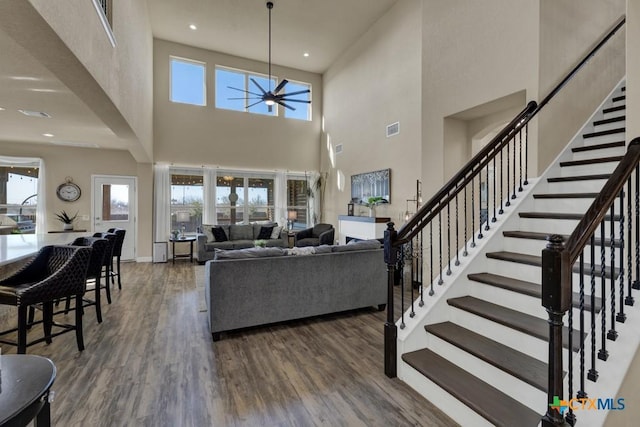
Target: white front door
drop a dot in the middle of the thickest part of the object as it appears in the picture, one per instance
(114, 206)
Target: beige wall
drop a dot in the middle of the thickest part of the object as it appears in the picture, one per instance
(374, 83)
(80, 164)
(568, 31)
(123, 72)
(193, 135)
(472, 53)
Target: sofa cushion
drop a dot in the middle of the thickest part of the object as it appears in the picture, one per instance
(219, 234)
(275, 233)
(219, 245)
(248, 253)
(206, 228)
(357, 246)
(265, 232)
(241, 232)
(323, 249)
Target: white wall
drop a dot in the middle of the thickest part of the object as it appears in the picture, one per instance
(374, 83)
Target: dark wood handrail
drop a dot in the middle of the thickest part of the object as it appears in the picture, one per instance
(600, 206)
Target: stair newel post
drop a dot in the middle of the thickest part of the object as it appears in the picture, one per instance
(390, 329)
(556, 299)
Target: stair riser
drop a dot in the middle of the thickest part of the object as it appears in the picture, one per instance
(444, 401)
(525, 303)
(608, 126)
(595, 168)
(603, 139)
(506, 383)
(589, 186)
(558, 226)
(534, 247)
(562, 205)
(528, 273)
(613, 114)
(603, 152)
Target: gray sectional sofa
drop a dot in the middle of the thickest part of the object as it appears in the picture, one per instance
(237, 236)
(260, 286)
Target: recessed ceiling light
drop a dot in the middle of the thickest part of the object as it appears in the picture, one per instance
(35, 114)
(76, 144)
(193, 26)
(34, 89)
(48, 135)
(2, 109)
(306, 54)
(27, 78)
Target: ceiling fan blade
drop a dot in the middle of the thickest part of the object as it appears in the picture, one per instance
(295, 100)
(264, 92)
(285, 105)
(245, 97)
(242, 90)
(255, 103)
(280, 85)
(296, 93)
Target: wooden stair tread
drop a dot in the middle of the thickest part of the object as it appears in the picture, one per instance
(604, 132)
(528, 288)
(598, 146)
(614, 109)
(561, 215)
(515, 363)
(610, 120)
(533, 235)
(489, 402)
(579, 177)
(536, 261)
(565, 196)
(525, 323)
(591, 161)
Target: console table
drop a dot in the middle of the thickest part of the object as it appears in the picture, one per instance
(360, 227)
(24, 390)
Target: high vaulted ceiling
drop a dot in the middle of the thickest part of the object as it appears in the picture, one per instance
(323, 28)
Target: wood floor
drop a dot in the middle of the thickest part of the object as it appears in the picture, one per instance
(152, 363)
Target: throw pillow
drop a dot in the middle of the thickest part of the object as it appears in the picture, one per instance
(219, 235)
(265, 232)
(275, 233)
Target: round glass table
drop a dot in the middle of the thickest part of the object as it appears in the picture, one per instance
(25, 383)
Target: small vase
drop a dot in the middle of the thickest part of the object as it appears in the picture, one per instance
(67, 227)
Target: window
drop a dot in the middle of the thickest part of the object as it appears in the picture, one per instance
(187, 197)
(18, 198)
(188, 82)
(302, 110)
(297, 201)
(244, 199)
(237, 90)
(115, 205)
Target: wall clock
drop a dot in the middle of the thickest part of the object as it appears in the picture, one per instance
(68, 191)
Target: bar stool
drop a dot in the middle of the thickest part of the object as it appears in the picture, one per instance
(117, 252)
(55, 273)
(106, 262)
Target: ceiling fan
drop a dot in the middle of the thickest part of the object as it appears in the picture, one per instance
(271, 97)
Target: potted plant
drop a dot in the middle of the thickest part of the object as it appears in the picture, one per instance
(372, 202)
(66, 220)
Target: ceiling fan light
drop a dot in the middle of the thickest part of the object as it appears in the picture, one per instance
(269, 102)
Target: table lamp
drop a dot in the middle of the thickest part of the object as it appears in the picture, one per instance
(292, 216)
(183, 217)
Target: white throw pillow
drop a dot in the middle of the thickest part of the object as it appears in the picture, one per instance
(275, 233)
(207, 231)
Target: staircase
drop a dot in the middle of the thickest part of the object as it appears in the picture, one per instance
(479, 349)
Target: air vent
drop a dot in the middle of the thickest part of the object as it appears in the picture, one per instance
(338, 148)
(35, 114)
(393, 129)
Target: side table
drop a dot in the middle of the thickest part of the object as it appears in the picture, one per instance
(189, 240)
(26, 383)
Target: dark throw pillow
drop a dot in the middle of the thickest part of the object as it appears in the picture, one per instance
(265, 233)
(219, 234)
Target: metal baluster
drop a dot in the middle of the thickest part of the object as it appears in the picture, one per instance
(465, 253)
(570, 417)
(581, 393)
(473, 216)
(508, 202)
(449, 239)
(526, 153)
(431, 291)
(593, 373)
(420, 275)
(440, 281)
(636, 283)
(412, 314)
(603, 354)
(621, 317)
(612, 334)
(629, 299)
(501, 211)
(513, 196)
(488, 191)
(400, 264)
(457, 263)
(480, 236)
(494, 219)
(520, 155)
